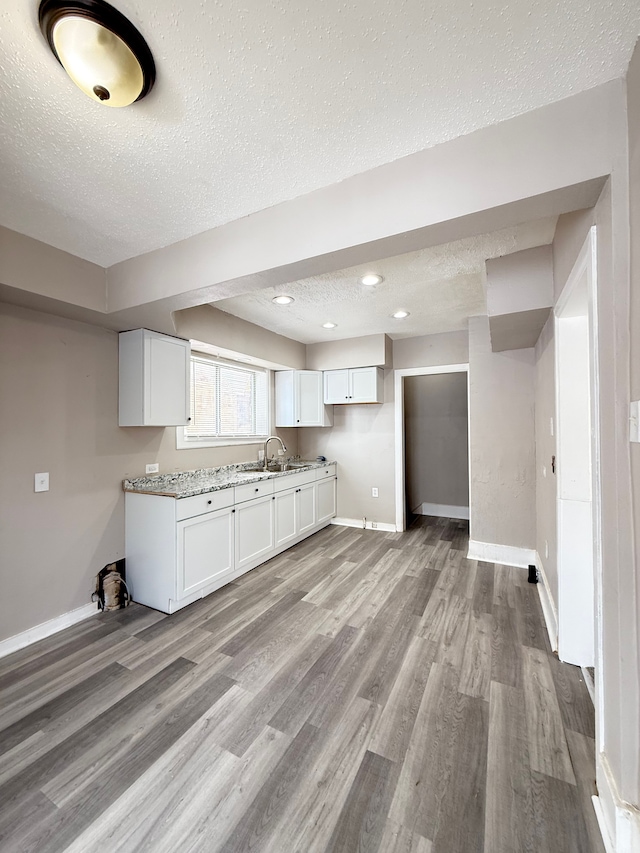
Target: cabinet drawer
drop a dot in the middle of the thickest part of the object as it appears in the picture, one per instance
(325, 471)
(199, 504)
(292, 481)
(253, 490)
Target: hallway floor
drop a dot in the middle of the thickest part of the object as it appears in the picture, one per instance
(363, 691)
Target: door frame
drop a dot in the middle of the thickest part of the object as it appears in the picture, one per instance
(399, 376)
(585, 265)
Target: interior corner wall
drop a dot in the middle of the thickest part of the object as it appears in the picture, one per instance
(59, 387)
(436, 440)
(545, 409)
(362, 438)
(502, 441)
(633, 119)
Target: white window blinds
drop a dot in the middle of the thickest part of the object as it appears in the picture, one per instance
(227, 401)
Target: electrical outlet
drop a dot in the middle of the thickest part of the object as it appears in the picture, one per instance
(546, 549)
(374, 525)
(551, 425)
(374, 492)
(261, 455)
(153, 468)
(41, 482)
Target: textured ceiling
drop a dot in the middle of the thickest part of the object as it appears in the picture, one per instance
(441, 287)
(261, 102)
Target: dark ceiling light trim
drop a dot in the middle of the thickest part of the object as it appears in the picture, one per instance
(53, 12)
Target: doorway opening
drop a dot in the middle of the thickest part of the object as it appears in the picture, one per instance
(578, 486)
(432, 442)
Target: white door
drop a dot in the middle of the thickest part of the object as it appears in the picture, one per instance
(254, 530)
(363, 384)
(577, 512)
(336, 386)
(286, 517)
(167, 381)
(205, 550)
(306, 504)
(309, 398)
(326, 498)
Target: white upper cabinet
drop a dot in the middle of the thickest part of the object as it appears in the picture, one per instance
(153, 379)
(355, 385)
(299, 399)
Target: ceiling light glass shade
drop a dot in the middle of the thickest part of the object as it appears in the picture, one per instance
(371, 279)
(329, 325)
(283, 300)
(400, 315)
(98, 61)
(102, 52)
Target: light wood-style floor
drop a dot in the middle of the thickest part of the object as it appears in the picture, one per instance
(364, 691)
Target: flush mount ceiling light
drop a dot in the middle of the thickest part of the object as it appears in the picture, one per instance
(329, 325)
(400, 315)
(283, 300)
(102, 52)
(371, 278)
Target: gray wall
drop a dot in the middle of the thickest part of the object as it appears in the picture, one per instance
(362, 439)
(436, 440)
(545, 404)
(633, 112)
(59, 413)
(502, 440)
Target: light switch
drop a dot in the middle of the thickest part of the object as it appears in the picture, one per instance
(152, 468)
(42, 482)
(634, 420)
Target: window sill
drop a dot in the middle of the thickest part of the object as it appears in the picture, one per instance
(184, 444)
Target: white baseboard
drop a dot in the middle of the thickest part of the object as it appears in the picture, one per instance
(357, 522)
(548, 605)
(442, 510)
(39, 632)
(506, 555)
(619, 822)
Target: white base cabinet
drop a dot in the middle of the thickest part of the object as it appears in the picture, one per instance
(205, 551)
(254, 532)
(179, 550)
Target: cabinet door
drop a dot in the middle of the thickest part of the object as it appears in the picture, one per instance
(166, 381)
(326, 497)
(205, 550)
(309, 398)
(363, 385)
(306, 504)
(254, 531)
(286, 517)
(336, 386)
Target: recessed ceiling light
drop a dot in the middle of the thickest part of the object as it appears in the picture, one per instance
(283, 300)
(400, 315)
(371, 278)
(329, 325)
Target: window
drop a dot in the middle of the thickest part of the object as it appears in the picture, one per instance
(229, 404)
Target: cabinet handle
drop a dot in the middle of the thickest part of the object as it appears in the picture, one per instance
(256, 490)
(273, 498)
(209, 502)
(233, 510)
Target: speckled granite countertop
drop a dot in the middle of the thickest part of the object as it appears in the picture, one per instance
(186, 484)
